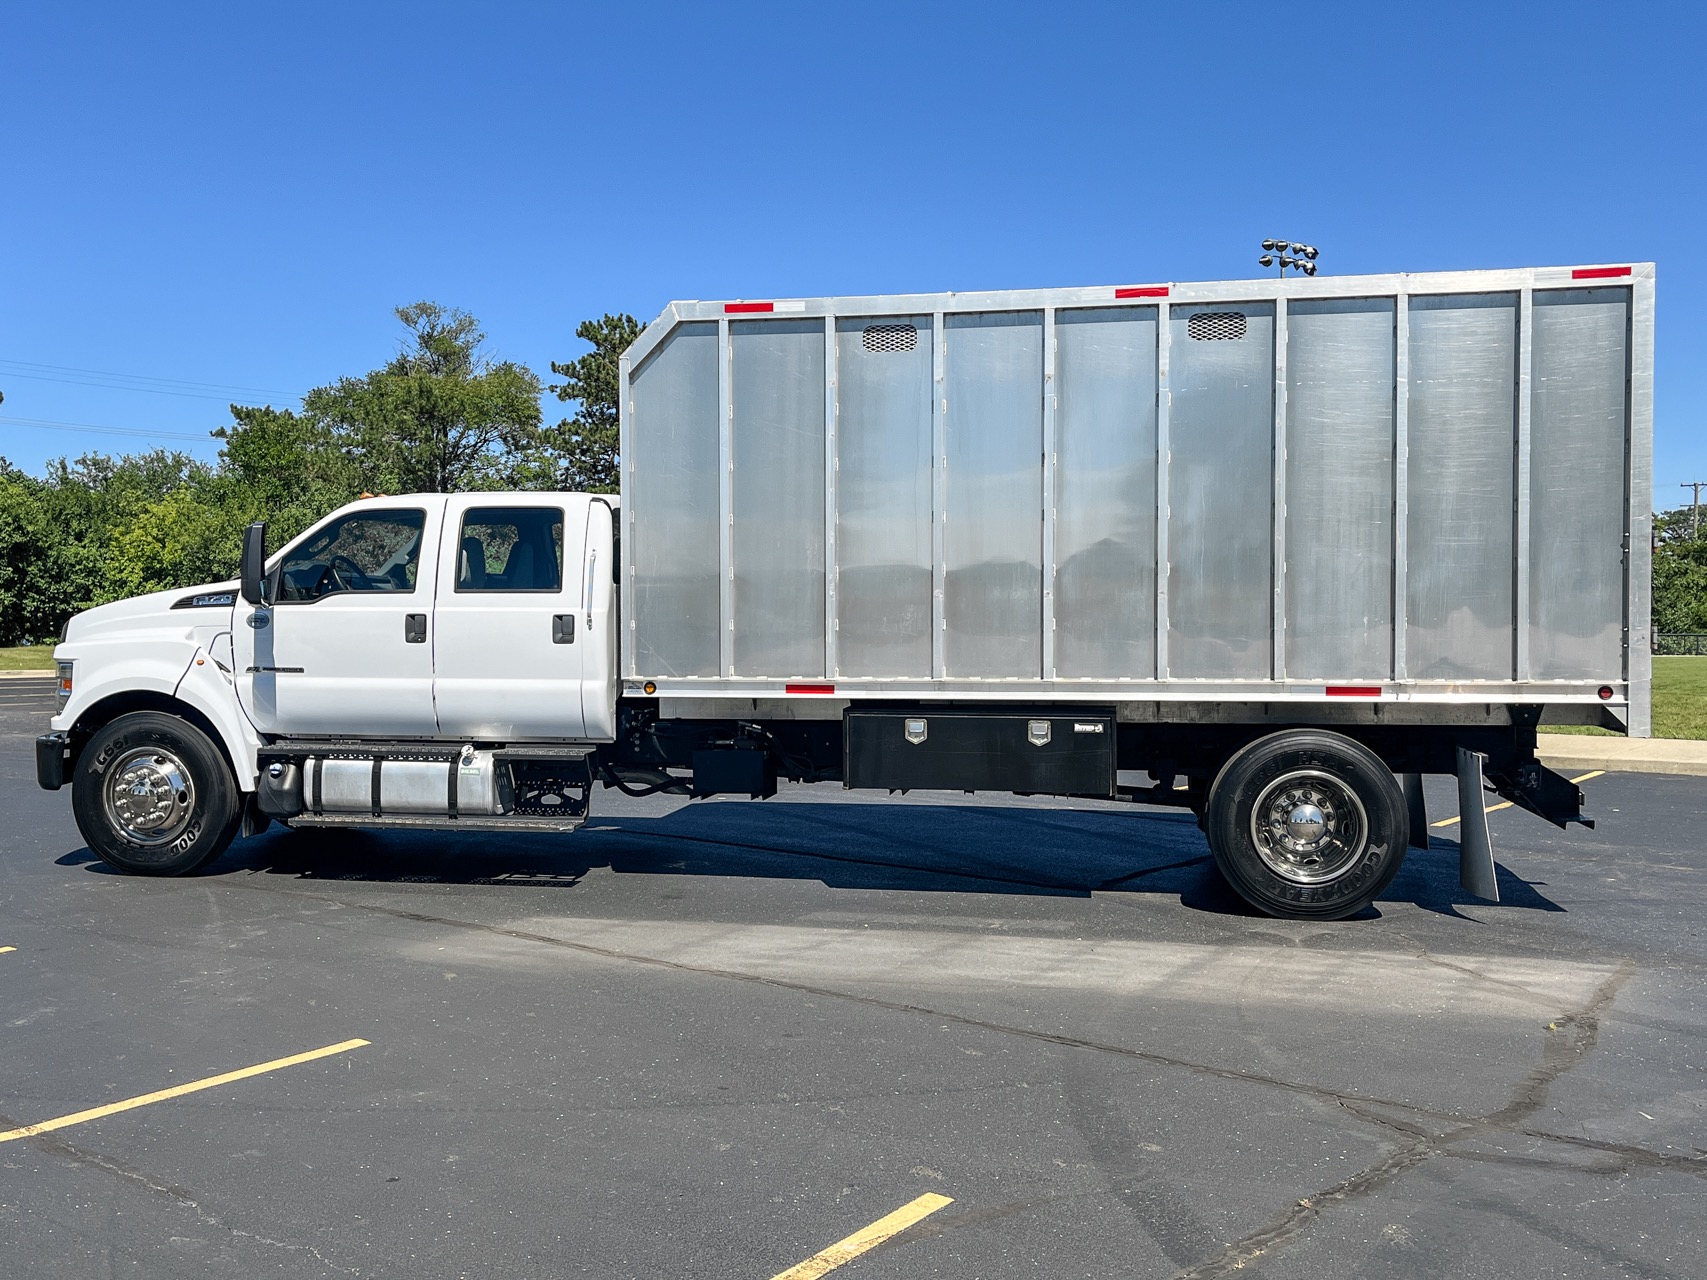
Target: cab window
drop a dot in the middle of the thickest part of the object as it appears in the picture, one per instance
(510, 549)
(365, 551)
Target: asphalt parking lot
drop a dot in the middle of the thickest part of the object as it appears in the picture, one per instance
(714, 1039)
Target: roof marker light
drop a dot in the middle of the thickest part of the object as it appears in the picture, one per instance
(1599, 273)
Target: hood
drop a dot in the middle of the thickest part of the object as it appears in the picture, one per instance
(180, 609)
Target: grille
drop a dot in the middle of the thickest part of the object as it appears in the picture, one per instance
(893, 337)
(1216, 326)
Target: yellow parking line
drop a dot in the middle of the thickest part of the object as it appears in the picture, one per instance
(866, 1238)
(1506, 804)
(178, 1091)
(4, 950)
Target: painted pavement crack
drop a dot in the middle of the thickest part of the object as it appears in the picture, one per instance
(76, 1155)
(1560, 1053)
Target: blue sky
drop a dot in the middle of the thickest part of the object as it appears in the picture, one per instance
(227, 196)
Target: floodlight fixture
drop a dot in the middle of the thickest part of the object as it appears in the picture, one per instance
(1289, 253)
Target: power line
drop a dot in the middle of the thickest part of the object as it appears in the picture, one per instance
(131, 381)
(119, 386)
(48, 424)
(114, 386)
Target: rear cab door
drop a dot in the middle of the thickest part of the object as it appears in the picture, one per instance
(509, 629)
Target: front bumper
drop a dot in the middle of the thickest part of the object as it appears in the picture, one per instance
(53, 751)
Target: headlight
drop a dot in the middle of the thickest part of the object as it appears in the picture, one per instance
(63, 690)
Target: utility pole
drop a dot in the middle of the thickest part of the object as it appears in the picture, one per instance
(1695, 507)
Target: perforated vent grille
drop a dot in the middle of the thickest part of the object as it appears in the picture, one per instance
(892, 337)
(1216, 326)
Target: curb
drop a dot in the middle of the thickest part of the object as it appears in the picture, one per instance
(1622, 755)
(47, 674)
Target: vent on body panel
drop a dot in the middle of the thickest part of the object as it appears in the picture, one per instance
(1215, 326)
(889, 337)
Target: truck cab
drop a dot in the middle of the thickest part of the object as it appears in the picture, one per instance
(468, 617)
(392, 664)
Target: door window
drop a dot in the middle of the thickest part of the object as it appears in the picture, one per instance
(510, 549)
(365, 551)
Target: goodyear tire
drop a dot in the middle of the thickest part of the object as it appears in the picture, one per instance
(1307, 825)
(153, 796)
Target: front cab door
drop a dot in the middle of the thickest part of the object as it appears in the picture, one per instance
(345, 649)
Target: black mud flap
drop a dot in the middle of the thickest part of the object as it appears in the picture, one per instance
(53, 760)
(1475, 846)
(1535, 787)
(1412, 785)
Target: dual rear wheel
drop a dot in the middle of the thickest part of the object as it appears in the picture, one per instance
(1307, 825)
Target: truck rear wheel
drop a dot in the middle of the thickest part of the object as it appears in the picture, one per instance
(153, 796)
(1307, 825)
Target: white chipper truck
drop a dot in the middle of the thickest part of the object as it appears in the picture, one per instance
(1267, 550)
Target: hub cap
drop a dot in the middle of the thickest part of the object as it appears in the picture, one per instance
(149, 796)
(1309, 827)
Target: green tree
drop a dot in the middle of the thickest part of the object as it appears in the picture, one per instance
(441, 416)
(583, 449)
(62, 545)
(29, 599)
(191, 535)
(1680, 574)
(284, 468)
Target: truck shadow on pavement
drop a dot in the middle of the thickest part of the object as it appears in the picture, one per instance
(961, 848)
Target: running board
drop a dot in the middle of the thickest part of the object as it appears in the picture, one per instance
(1475, 847)
(432, 822)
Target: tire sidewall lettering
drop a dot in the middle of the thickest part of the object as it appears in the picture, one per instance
(1359, 883)
(212, 821)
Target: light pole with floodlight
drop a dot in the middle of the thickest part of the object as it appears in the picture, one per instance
(1283, 253)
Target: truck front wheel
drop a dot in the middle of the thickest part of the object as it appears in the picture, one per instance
(1307, 825)
(153, 796)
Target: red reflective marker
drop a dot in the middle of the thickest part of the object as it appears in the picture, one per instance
(809, 688)
(1599, 273)
(1354, 691)
(736, 308)
(1143, 291)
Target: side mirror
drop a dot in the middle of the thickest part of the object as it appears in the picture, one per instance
(254, 573)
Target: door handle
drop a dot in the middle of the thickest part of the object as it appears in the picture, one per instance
(415, 628)
(562, 628)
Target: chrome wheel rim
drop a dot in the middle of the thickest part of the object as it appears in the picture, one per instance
(1309, 827)
(149, 796)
